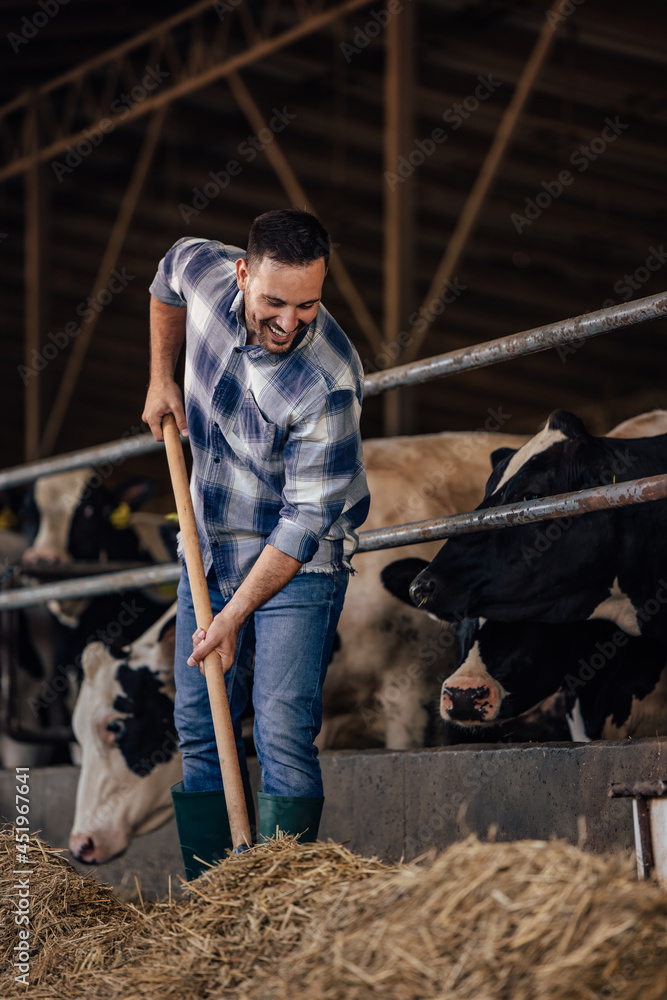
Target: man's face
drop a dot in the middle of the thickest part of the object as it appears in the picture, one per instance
(280, 301)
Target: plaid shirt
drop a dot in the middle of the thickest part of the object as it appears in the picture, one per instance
(275, 438)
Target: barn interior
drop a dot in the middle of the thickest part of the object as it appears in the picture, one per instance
(485, 167)
(428, 136)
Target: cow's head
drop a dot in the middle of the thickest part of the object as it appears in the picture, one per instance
(124, 722)
(551, 571)
(504, 669)
(508, 668)
(72, 516)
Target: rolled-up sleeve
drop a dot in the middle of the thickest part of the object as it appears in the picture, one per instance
(325, 479)
(168, 283)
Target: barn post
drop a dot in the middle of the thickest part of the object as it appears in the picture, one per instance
(299, 199)
(398, 407)
(35, 280)
(80, 346)
(488, 172)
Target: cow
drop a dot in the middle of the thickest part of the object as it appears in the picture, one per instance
(387, 670)
(613, 685)
(124, 722)
(72, 517)
(608, 564)
(507, 667)
(68, 519)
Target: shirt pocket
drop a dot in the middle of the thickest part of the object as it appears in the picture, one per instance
(254, 437)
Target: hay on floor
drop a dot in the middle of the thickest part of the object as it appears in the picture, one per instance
(515, 921)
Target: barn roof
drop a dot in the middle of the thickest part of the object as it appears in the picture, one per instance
(394, 116)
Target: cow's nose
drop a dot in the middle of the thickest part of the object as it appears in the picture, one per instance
(83, 849)
(33, 555)
(422, 588)
(468, 703)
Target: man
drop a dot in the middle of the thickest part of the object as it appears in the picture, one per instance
(273, 393)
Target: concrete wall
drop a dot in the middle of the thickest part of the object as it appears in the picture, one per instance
(392, 803)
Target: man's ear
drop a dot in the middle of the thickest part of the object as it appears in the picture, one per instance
(242, 273)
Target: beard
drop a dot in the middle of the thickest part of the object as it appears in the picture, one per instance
(262, 330)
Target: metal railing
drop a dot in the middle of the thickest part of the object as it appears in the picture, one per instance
(576, 329)
(573, 504)
(542, 338)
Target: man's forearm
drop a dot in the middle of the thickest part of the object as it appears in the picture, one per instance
(164, 396)
(167, 336)
(272, 571)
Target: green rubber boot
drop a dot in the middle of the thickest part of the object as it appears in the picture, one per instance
(289, 814)
(203, 826)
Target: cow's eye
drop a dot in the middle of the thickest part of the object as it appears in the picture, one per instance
(117, 727)
(531, 496)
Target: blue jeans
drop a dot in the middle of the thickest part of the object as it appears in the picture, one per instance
(291, 636)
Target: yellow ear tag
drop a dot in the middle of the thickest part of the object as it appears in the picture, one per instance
(8, 519)
(121, 516)
(173, 517)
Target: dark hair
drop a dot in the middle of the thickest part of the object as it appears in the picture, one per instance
(288, 236)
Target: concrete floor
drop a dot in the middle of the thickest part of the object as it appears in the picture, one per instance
(393, 803)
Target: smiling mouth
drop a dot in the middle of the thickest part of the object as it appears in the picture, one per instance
(277, 333)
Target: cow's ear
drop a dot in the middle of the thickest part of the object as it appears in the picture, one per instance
(500, 454)
(134, 492)
(568, 423)
(397, 577)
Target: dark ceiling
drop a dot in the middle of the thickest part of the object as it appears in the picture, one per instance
(607, 62)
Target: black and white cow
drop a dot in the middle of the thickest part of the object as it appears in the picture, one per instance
(124, 722)
(66, 519)
(613, 685)
(506, 668)
(611, 564)
(71, 517)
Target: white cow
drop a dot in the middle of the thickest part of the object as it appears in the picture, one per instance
(124, 722)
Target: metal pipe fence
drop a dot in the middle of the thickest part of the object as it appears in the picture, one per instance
(542, 338)
(567, 331)
(573, 504)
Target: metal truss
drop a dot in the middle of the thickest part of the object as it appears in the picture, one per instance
(178, 56)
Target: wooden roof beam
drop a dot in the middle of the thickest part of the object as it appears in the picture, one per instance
(209, 68)
(477, 197)
(109, 261)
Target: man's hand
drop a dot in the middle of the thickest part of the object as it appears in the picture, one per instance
(164, 397)
(221, 637)
(272, 571)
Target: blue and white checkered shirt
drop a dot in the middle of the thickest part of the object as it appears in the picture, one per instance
(275, 438)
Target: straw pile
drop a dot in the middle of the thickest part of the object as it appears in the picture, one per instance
(517, 921)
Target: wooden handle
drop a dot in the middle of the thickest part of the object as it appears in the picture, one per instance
(215, 681)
